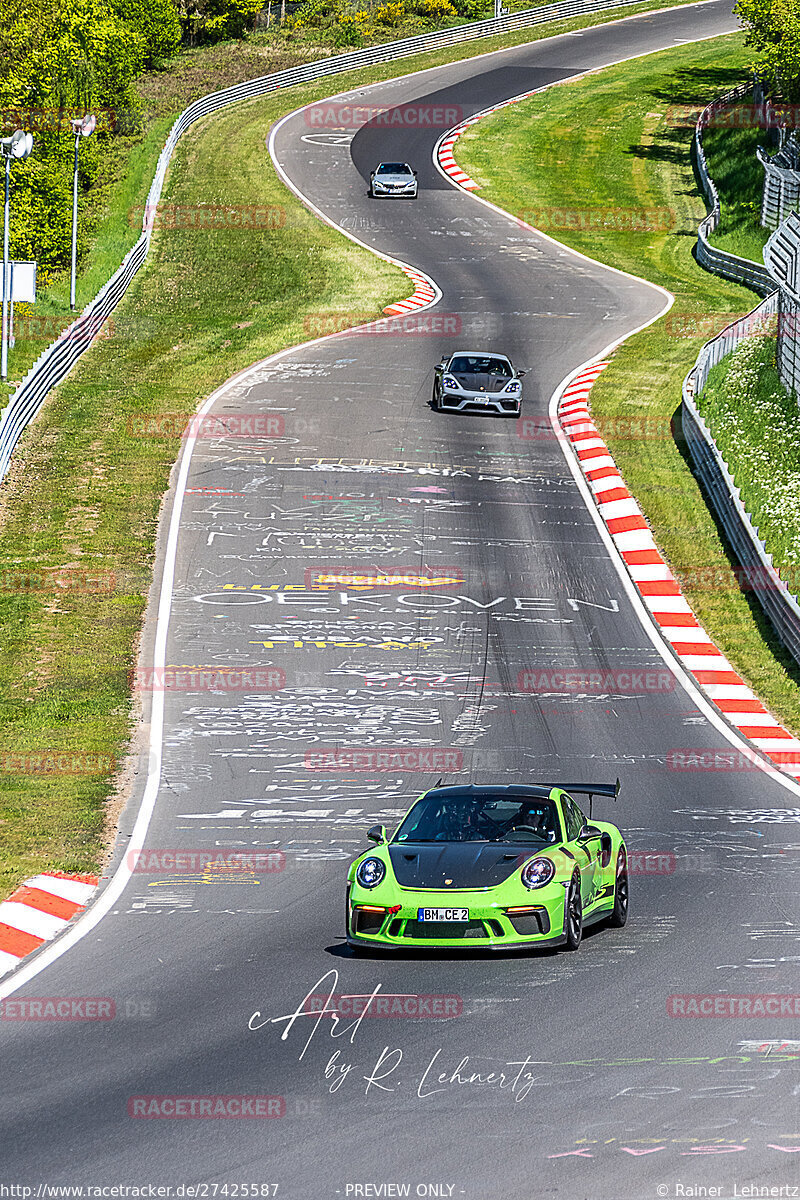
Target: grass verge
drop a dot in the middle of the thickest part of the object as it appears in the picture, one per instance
(608, 147)
(756, 425)
(739, 176)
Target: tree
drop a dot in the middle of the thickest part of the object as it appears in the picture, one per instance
(61, 58)
(215, 20)
(157, 21)
(773, 30)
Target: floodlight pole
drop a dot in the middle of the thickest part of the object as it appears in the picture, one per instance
(74, 225)
(81, 127)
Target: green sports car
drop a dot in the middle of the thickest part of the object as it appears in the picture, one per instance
(490, 867)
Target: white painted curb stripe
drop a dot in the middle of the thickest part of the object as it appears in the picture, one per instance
(30, 920)
(67, 889)
(7, 962)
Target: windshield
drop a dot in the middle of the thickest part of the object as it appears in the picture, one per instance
(394, 169)
(437, 818)
(478, 364)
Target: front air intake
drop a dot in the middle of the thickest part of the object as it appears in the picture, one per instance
(367, 922)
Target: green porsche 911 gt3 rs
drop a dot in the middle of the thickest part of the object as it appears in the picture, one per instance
(492, 868)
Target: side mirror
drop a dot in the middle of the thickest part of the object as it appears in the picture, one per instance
(415, 174)
(588, 832)
(377, 834)
(521, 373)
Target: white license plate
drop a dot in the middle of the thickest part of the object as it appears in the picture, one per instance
(443, 914)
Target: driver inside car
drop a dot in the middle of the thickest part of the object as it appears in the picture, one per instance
(538, 818)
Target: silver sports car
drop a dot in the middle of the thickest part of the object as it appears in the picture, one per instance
(393, 179)
(469, 381)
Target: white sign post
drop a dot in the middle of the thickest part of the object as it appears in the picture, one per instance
(19, 145)
(23, 290)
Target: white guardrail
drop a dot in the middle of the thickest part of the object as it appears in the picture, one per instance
(721, 262)
(58, 359)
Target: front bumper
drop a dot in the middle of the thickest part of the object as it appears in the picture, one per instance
(490, 926)
(462, 401)
(381, 190)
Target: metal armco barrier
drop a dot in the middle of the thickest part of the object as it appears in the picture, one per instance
(721, 262)
(774, 596)
(58, 359)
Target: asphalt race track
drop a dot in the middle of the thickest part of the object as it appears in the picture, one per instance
(605, 1095)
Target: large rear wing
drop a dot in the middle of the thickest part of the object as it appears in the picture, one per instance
(591, 790)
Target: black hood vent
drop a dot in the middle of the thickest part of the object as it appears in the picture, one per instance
(465, 864)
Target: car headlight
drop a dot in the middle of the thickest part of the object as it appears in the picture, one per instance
(450, 383)
(537, 872)
(370, 872)
(514, 386)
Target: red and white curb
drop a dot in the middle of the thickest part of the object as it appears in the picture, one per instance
(39, 909)
(424, 293)
(658, 587)
(444, 155)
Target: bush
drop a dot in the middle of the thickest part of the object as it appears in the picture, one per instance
(347, 31)
(215, 20)
(390, 14)
(157, 22)
(350, 28)
(471, 10)
(230, 18)
(434, 11)
(316, 13)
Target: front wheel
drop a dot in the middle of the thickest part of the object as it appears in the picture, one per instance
(435, 400)
(573, 921)
(619, 913)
